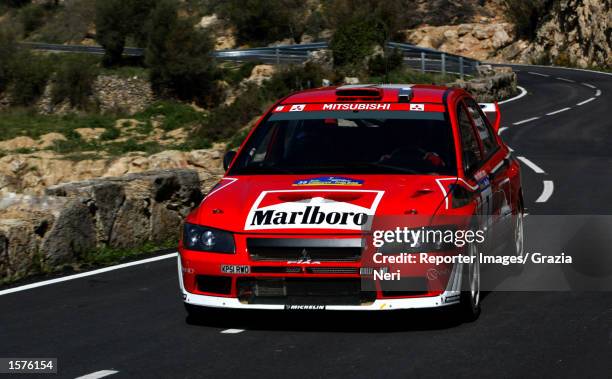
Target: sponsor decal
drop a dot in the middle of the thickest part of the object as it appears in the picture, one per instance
(313, 209)
(328, 181)
(296, 307)
(316, 107)
(235, 269)
(357, 107)
(297, 108)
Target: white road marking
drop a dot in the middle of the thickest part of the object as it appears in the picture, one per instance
(85, 274)
(511, 149)
(98, 374)
(232, 331)
(598, 92)
(503, 128)
(525, 214)
(566, 80)
(531, 165)
(558, 68)
(546, 192)
(586, 101)
(589, 85)
(523, 93)
(538, 74)
(525, 121)
(558, 111)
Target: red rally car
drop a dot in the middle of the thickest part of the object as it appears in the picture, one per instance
(285, 227)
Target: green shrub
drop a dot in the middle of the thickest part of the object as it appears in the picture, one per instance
(178, 56)
(31, 17)
(110, 134)
(352, 42)
(381, 65)
(74, 80)
(260, 22)
(8, 49)
(526, 15)
(29, 74)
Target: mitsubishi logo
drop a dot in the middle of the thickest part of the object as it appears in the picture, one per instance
(304, 259)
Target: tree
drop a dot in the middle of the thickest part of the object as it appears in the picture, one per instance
(118, 19)
(178, 56)
(112, 28)
(8, 49)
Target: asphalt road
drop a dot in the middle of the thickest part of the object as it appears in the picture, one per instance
(132, 320)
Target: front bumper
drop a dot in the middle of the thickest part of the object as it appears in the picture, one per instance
(449, 296)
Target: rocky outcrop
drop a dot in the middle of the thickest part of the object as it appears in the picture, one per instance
(32, 173)
(493, 84)
(575, 32)
(475, 40)
(42, 233)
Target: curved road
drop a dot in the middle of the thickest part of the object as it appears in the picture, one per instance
(131, 321)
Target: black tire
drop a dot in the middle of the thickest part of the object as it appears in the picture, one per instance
(469, 306)
(518, 239)
(196, 314)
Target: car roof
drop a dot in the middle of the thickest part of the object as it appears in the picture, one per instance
(420, 93)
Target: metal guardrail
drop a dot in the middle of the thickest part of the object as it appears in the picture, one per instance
(419, 58)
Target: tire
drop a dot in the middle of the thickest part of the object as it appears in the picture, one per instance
(518, 240)
(196, 314)
(469, 305)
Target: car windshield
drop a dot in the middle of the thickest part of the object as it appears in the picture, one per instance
(393, 142)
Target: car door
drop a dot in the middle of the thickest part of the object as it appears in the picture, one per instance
(495, 168)
(472, 160)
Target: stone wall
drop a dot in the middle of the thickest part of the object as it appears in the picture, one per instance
(110, 93)
(44, 233)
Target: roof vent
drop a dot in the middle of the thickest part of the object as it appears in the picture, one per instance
(358, 94)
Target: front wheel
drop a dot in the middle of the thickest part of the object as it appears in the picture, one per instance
(469, 306)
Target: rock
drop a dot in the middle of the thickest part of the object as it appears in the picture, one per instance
(260, 73)
(49, 139)
(72, 233)
(501, 85)
(323, 58)
(464, 29)
(41, 232)
(208, 21)
(485, 70)
(351, 80)
(89, 134)
(18, 143)
(575, 32)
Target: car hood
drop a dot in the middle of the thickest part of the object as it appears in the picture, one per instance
(291, 204)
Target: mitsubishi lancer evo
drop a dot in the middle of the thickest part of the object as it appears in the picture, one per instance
(290, 224)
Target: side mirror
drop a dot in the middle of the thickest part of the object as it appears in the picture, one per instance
(228, 158)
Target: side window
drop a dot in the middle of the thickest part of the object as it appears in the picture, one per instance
(469, 144)
(485, 133)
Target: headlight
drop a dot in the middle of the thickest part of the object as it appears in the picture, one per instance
(202, 238)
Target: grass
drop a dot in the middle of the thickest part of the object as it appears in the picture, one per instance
(173, 115)
(26, 122)
(107, 256)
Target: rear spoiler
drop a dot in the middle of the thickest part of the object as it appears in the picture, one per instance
(491, 110)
